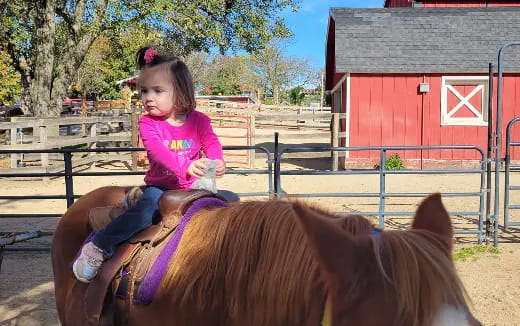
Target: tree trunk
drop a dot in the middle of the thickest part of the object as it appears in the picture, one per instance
(276, 95)
(25, 97)
(45, 28)
(78, 45)
(259, 95)
(52, 77)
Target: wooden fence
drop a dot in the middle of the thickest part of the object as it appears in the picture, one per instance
(30, 133)
(122, 130)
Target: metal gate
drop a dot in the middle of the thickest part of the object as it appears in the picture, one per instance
(493, 220)
(509, 167)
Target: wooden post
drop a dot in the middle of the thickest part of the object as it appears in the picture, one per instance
(134, 122)
(13, 139)
(251, 140)
(43, 144)
(84, 113)
(335, 140)
(93, 134)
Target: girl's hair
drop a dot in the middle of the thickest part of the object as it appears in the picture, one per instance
(184, 94)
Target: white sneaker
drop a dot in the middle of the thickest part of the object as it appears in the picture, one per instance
(85, 268)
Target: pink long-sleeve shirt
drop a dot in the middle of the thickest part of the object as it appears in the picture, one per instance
(171, 149)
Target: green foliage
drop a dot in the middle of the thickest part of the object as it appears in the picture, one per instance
(111, 58)
(296, 96)
(273, 72)
(392, 163)
(231, 24)
(224, 75)
(464, 254)
(55, 37)
(75, 91)
(10, 87)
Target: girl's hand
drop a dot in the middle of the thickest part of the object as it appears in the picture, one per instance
(197, 168)
(220, 169)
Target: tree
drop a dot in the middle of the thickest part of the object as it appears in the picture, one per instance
(275, 73)
(54, 36)
(225, 75)
(296, 96)
(198, 64)
(9, 80)
(111, 58)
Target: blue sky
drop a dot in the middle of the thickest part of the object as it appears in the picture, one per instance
(309, 25)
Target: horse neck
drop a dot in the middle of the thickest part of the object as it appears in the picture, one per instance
(250, 262)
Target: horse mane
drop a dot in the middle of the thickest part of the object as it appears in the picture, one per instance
(413, 263)
(250, 261)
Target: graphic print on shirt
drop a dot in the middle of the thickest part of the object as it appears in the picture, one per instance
(183, 147)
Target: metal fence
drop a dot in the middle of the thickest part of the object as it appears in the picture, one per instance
(383, 172)
(70, 176)
(509, 167)
(274, 186)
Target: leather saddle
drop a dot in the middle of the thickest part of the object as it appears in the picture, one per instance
(119, 277)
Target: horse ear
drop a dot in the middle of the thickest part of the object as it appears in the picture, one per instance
(333, 247)
(433, 216)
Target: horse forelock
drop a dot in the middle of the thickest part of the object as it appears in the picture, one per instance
(419, 272)
(249, 261)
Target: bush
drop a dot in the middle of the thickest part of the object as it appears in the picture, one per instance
(392, 163)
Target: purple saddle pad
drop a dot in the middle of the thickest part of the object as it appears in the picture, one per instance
(154, 276)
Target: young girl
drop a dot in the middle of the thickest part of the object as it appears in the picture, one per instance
(173, 134)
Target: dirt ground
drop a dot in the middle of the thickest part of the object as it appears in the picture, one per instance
(492, 280)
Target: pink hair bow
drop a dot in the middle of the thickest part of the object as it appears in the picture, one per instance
(149, 54)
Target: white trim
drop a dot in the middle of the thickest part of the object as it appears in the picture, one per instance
(347, 114)
(338, 84)
(481, 84)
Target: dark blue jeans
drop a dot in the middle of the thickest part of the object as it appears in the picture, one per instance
(136, 219)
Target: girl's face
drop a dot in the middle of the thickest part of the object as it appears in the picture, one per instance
(157, 91)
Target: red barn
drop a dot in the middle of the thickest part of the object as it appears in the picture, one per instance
(419, 76)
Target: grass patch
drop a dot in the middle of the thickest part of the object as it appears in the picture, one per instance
(464, 254)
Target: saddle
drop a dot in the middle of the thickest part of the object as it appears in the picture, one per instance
(120, 277)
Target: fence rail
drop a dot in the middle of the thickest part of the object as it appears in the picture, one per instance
(69, 176)
(27, 133)
(274, 173)
(382, 171)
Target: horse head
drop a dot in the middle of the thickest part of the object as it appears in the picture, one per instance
(392, 277)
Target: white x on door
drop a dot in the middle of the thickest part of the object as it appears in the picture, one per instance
(464, 100)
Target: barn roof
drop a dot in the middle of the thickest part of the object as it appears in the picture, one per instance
(424, 40)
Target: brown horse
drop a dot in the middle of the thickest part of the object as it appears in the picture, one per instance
(247, 264)
(391, 278)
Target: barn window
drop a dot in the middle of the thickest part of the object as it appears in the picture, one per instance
(464, 100)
